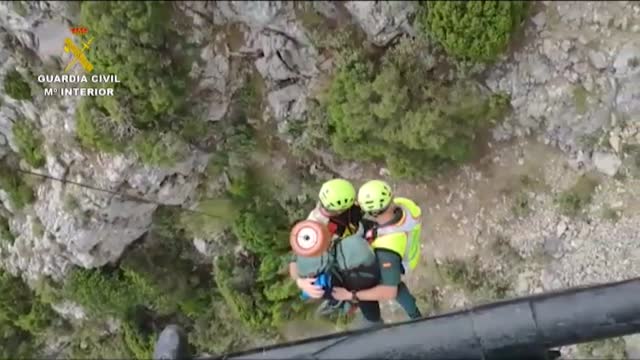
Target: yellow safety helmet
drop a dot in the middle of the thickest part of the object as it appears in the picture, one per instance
(337, 195)
(374, 195)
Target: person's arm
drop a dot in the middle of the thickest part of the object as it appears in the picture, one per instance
(305, 284)
(390, 276)
(293, 270)
(378, 293)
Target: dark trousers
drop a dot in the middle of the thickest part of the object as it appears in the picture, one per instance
(408, 302)
(371, 309)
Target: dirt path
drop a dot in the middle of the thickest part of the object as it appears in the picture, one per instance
(556, 227)
(458, 207)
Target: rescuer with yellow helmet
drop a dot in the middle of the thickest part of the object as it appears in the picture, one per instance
(396, 242)
(337, 209)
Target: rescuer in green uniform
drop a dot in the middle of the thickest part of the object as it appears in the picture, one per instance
(396, 242)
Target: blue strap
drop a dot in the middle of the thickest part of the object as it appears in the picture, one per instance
(324, 281)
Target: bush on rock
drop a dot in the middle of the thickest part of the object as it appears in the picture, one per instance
(478, 31)
(396, 112)
(16, 86)
(29, 142)
(136, 41)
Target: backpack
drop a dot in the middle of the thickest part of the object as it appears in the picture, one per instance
(350, 261)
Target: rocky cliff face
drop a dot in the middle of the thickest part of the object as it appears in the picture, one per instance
(69, 224)
(72, 225)
(574, 81)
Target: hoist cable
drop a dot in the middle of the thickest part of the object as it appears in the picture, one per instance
(130, 197)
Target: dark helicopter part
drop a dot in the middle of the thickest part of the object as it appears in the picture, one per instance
(172, 344)
(523, 328)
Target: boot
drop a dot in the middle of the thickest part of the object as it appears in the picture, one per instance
(171, 345)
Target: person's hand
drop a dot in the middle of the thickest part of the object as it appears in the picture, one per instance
(306, 284)
(341, 294)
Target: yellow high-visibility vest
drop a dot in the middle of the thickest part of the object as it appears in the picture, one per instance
(403, 238)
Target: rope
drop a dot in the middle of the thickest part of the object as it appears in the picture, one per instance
(112, 192)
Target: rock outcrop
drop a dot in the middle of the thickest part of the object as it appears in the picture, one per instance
(70, 224)
(581, 91)
(383, 21)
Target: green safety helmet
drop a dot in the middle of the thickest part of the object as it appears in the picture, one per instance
(337, 195)
(374, 195)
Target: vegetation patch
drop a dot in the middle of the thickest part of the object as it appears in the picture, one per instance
(613, 348)
(524, 187)
(29, 141)
(20, 8)
(521, 204)
(211, 217)
(261, 296)
(161, 149)
(19, 193)
(24, 319)
(249, 98)
(478, 31)
(152, 285)
(152, 102)
(336, 38)
(16, 86)
(5, 232)
(501, 248)
(572, 201)
(479, 283)
(580, 98)
(240, 299)
(484, 281)
(393, 111)
(611, 214)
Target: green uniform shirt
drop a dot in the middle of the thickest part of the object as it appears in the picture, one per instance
(391, 271)
(390, 267)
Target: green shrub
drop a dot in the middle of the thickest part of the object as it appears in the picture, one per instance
(262, 226)
(478, 282)
(216, 331)
(394, 112)
(91, 341)
(105, 293)
(572, 201)
(16, 343)
(258, 304)
(154, 280)
(472, 30)
(20, 194)
(94, 340)
(262, 298)
(193, 129)
(160, 149)
(16, 86)
(29, 142)
(140, 345)
(212, 216)
(5, 231)
(23, 318)
(165, 222)
(249, 97)
(153, 79)
(89, 130)
(152, 99)
(143, 280)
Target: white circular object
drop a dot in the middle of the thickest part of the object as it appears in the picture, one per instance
(307, 238)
